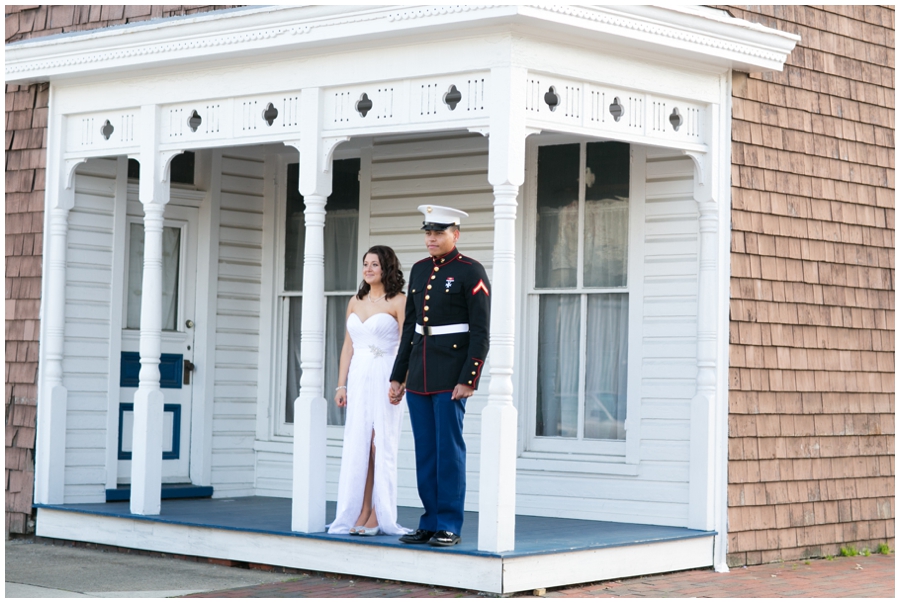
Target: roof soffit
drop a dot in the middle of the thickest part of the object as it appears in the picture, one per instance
(672, 33)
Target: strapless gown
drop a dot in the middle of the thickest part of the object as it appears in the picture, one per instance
(375, 342)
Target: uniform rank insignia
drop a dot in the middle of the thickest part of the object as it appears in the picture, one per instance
(481, 287)
(449, 283)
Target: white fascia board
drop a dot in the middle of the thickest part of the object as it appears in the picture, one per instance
(684, 31)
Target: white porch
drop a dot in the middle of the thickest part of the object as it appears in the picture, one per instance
(446, 104)
(549, 552)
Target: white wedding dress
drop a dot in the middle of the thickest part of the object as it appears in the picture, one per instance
(375, 342)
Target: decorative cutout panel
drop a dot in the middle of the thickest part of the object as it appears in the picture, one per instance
(200, 120)
(370, 105)
(554, 99)
(436, 99)
(448, 98)
(106, 130)
(608, 111)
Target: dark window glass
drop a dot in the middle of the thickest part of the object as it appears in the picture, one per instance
(181, 170)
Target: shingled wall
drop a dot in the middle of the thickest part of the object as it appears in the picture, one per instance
(811, 424)
(26, 144)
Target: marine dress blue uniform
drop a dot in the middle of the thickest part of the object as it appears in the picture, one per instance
(445, 341)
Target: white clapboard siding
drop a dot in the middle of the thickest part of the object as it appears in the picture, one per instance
(86, 347)
(237, 324)
(658, 494)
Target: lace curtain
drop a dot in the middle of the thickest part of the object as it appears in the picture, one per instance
(171, 258)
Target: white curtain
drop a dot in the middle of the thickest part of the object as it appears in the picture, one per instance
(341, 262)
(605, 242)
(606, 360)
(171, 260)
(557, 242)
(558, 365)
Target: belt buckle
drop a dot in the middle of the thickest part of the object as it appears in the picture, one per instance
(428, 331)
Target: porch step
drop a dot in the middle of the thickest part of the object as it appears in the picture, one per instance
(169, 491)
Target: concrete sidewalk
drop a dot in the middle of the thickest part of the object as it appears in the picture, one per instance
(46, 570)
(57, 570)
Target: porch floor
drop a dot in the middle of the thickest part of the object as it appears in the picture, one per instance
(549, 544)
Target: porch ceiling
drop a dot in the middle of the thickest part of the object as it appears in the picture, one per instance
(679, 33)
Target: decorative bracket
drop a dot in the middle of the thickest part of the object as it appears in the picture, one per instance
(329, 144)
(70, 165)
(698, 159)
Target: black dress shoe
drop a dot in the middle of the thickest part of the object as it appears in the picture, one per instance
(417, 537)
(444, 538)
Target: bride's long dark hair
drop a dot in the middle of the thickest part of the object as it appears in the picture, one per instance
(391, 275)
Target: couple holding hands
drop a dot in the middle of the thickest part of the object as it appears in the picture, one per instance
(430, 346)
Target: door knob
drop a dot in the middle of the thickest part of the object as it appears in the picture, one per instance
(189, 324)
(188, 368)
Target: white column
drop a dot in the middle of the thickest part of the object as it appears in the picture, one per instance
(499, 419)
(310, 423)
(705, 445)
(146, 455)
(50, 442)
(50, 461)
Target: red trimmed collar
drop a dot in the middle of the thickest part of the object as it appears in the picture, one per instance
(449, 257)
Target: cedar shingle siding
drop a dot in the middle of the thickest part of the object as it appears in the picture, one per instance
(26, 143)
(811, 425)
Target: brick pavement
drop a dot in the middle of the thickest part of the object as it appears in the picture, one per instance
(859, 576)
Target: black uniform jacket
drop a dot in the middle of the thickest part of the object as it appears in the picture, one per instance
(449, 290)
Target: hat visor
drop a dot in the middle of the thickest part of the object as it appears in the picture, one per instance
(435, 226)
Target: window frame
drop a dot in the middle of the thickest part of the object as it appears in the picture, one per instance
(536, 449)
(281, 429)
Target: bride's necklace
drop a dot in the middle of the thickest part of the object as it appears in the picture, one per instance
(377, 299)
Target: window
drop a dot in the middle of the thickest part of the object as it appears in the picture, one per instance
(579, 296)
(341, 277)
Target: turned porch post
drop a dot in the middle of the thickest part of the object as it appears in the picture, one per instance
(50, 457)
(499, 423)
(146, 455)
(705, 447)
(310, 422)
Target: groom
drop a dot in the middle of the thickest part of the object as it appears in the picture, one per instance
(441, 356)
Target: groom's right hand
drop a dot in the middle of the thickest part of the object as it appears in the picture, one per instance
(395, 394)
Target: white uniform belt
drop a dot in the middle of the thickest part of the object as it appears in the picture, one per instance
(442, 330)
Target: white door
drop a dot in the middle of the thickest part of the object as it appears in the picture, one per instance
(176, 362)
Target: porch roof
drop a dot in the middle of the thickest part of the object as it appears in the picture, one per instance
(679, 33)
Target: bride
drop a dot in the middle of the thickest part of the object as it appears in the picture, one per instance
(367, 489)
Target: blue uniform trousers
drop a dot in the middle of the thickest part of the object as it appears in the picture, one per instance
(437, 423)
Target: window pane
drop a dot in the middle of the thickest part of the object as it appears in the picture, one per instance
(171, 258)
(558, 365)
(607, 367)
(295, 315)
(294, 232)
(556, 256)
(341, 261)
(336, 324)
(341, 229)
(606, 215)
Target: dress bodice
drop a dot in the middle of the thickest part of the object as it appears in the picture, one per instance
(378, 335)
